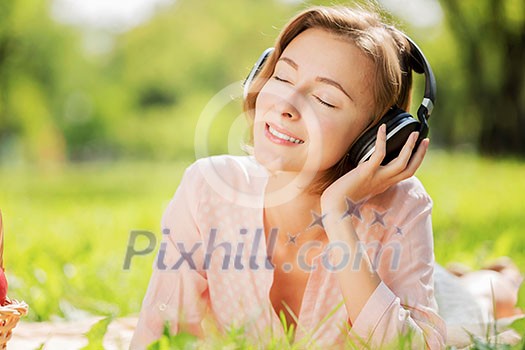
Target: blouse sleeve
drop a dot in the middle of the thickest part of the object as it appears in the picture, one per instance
(404, 303)
(177, 291)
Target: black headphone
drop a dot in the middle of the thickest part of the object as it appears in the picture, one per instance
(399, 123)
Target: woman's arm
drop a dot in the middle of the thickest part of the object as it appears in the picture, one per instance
(376, 311)
(177, 291)
(394, 294)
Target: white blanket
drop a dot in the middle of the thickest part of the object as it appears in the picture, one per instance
(465, 315)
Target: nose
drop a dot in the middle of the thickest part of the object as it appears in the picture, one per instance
(287, 108)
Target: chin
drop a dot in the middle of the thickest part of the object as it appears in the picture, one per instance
(275, 162)
(271, 162)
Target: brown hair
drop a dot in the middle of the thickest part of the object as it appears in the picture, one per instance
(384, 45)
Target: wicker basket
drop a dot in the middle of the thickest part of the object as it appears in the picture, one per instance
(11, 310)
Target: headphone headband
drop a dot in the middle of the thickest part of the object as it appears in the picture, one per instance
(418, 61)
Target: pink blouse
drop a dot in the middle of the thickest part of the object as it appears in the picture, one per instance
(212, 263)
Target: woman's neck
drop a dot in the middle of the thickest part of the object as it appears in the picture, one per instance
(291, 188)
(291, 205)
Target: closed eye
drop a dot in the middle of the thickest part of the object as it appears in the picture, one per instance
(324, 102)
(281, 79)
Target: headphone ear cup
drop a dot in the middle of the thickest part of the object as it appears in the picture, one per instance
(399, 126)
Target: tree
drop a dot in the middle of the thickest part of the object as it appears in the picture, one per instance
(491, 36)
(30, 47)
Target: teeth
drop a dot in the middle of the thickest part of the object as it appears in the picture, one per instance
(283, 136)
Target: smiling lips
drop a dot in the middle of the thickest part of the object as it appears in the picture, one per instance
(279, 137)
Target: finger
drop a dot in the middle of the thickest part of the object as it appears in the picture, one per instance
(415, 161)
(380, 147)
(399, 164)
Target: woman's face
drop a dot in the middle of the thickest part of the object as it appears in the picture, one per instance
(317, 102)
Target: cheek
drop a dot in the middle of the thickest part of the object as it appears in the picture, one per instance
(265, 99)
(336, 139)
(272, 94)
(262, 107)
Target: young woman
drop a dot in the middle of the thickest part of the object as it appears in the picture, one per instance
(344, 253)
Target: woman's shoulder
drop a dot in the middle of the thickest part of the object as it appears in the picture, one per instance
(408, 194)
(227, 166)
(410, 188)
(227, 163)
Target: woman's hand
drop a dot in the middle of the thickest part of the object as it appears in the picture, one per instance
(371, 178)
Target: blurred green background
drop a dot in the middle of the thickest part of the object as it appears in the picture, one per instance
(98, 122)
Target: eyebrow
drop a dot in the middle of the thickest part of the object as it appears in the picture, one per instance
(333, 83)
(319, 79)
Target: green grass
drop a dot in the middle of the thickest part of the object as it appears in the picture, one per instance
(67, 234)
(67, 230)
(235, 339)
(479, 207)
